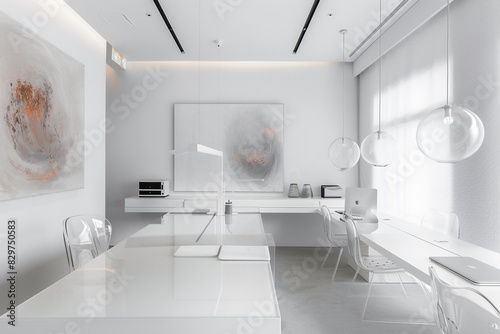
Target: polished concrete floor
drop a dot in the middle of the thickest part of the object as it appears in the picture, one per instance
(311, 303)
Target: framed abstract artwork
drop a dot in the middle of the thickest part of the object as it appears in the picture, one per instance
(250, 137)
(41, 115)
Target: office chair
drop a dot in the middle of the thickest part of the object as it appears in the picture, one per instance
(337, 240)
(462, 310)
(85, 237)
(376, 264)
(446, 223)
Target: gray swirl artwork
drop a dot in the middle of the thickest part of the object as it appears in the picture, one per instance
(250, 137)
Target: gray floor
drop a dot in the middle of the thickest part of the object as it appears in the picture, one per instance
(310, 303)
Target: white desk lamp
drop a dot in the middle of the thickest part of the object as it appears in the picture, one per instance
(210, 151)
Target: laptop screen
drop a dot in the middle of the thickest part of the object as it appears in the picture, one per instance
(471, 269)
(360, 200)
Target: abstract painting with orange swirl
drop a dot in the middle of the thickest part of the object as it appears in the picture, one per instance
(41, 115)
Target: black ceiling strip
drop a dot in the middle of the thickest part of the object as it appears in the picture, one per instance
(306, 25)
(169, 26)
(379, 27)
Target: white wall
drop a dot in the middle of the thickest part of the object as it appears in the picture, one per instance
(41, 258)
(414, 83)
(143, 127)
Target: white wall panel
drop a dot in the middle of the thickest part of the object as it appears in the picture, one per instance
(143, 129)
(41, 258)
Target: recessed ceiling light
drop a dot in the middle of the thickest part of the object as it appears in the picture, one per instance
(126, 18)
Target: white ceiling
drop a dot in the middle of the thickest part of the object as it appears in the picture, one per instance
(251, 30)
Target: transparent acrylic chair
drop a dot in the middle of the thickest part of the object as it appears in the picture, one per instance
(443, 222)
(85, 237)
(375, 264)
(462, 310)
(337, 240)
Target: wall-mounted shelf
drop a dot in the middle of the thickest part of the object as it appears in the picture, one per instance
(271, 204)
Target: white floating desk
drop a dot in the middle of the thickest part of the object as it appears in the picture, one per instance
(266, 204)
(139, 286)
(410, 246)
(456, 246)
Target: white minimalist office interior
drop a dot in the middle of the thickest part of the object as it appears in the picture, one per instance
(129, 114)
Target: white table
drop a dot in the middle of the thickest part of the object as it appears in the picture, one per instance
(456, 246)
(410, 246)
(266, 204)
(139, 286)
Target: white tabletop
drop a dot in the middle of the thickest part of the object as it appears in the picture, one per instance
(266, 204)
(454, 245)
(141, 283)
(410, 246)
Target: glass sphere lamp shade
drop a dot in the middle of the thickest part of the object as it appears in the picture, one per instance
(343, 153)
(450, 134)
(379, 149)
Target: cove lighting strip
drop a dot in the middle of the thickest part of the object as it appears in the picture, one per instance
(379, 27)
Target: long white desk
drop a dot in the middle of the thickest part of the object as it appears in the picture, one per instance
(410, 246)
(139, 286)
(266, 204)
(456, 246)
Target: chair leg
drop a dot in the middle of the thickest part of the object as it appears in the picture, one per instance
(411, 320)
(368, 296)
(425, 288)
(355, 275)
(430, 304)
(338, 262)
(402, 285)
(326, 257)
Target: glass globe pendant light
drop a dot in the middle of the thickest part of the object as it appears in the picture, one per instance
(343, 152)
(449, 133)
(379, 148)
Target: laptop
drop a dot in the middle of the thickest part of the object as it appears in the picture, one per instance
(360, 200)
(471, 269)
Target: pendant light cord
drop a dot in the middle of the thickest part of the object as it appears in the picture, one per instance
(218, 74)
(380, 72)
(199, 63)
(199, 52)
(343, 85)
(448, 52)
